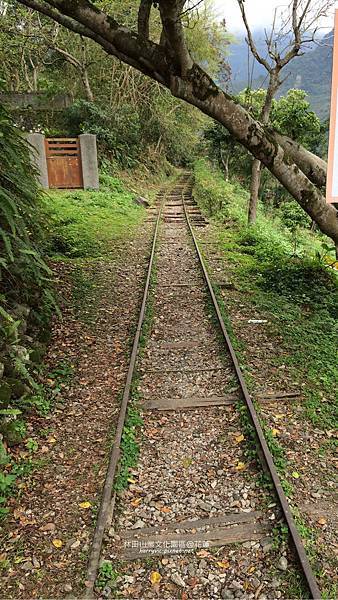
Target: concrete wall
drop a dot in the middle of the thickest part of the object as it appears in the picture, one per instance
(38, 155)
(90, 171)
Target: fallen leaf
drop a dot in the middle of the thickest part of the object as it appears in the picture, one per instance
(51, 440)
(136, 502)
(275, 432)
(251, 569)
(85, 505)
(239, 438)
(240, 466)
(295, 475)
(280, 416)
(131, 480)
(322, 521)
(165, 509)
(57, 543)
(223, 564)
(155, 577)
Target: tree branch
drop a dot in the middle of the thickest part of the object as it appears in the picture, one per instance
(143, 18)
(250, 39)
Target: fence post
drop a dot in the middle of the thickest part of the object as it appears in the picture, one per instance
(90, 171)
(38, 157)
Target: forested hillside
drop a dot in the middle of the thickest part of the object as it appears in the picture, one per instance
(310, 72)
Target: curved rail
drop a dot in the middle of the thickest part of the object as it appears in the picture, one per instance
(296, 539)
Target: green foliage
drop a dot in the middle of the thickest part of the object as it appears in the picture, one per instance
(117, 131)
(129, 446)
(85, 224)
(210, 189)
(299, 294)
(291, 115)
(107, 575)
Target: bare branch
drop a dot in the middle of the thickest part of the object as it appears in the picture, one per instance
(250, 39)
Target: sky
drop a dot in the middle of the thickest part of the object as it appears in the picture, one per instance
(259, 13)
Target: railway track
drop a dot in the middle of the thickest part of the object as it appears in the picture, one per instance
(194, 494)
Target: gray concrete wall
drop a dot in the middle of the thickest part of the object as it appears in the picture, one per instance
(90, 172)
(38, 155)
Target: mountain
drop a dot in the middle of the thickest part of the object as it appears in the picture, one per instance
(310, 72)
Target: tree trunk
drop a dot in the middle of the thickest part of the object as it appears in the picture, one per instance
(86, 85)
(254, 190)
(187, 80)
(256, 168)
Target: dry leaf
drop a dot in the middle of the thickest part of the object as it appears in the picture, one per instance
(223, 564)
(57, 543)
(239, 438)
(240, 466)
(322, 521)
(51, 440)
(136, 502)
(155, 577)
(85, 505)
(165, 509)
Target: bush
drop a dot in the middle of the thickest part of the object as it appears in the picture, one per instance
(26, 299)
(117, 131)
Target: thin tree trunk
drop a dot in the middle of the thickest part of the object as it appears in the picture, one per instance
(254, 190)
(86, 85)
(256, 168)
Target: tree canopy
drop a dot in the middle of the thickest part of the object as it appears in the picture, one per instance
(169, 60)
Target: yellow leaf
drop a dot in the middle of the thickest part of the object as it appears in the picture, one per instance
(136, 502)
(51, 440)
(85, 505)
(295, 475)
(275, 432)
(57, 543)
(280, 416)
(321, 521)
(223, 564)
(131, 480)
(165, 509)
(251, 570)
(155, 577)
(239, 438)
(240, 466)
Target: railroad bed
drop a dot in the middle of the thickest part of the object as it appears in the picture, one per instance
(196, 520)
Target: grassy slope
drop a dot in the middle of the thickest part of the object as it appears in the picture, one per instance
(297, 294)
(298, 291)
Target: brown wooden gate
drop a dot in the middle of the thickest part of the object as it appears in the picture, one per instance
(64, 163)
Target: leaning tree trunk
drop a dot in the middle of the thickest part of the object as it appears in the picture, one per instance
(299, 171)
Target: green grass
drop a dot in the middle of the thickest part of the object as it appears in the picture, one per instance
(280, 271)
(297, 293)
(86, 223)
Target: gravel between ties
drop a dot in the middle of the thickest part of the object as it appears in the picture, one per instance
(192, 463)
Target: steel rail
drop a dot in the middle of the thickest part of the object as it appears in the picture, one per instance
(298, 545)
(108, 498)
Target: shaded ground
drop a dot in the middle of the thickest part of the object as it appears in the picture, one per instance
(47, 535)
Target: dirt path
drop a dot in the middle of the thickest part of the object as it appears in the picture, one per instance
(46, 538)
(192, 465)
